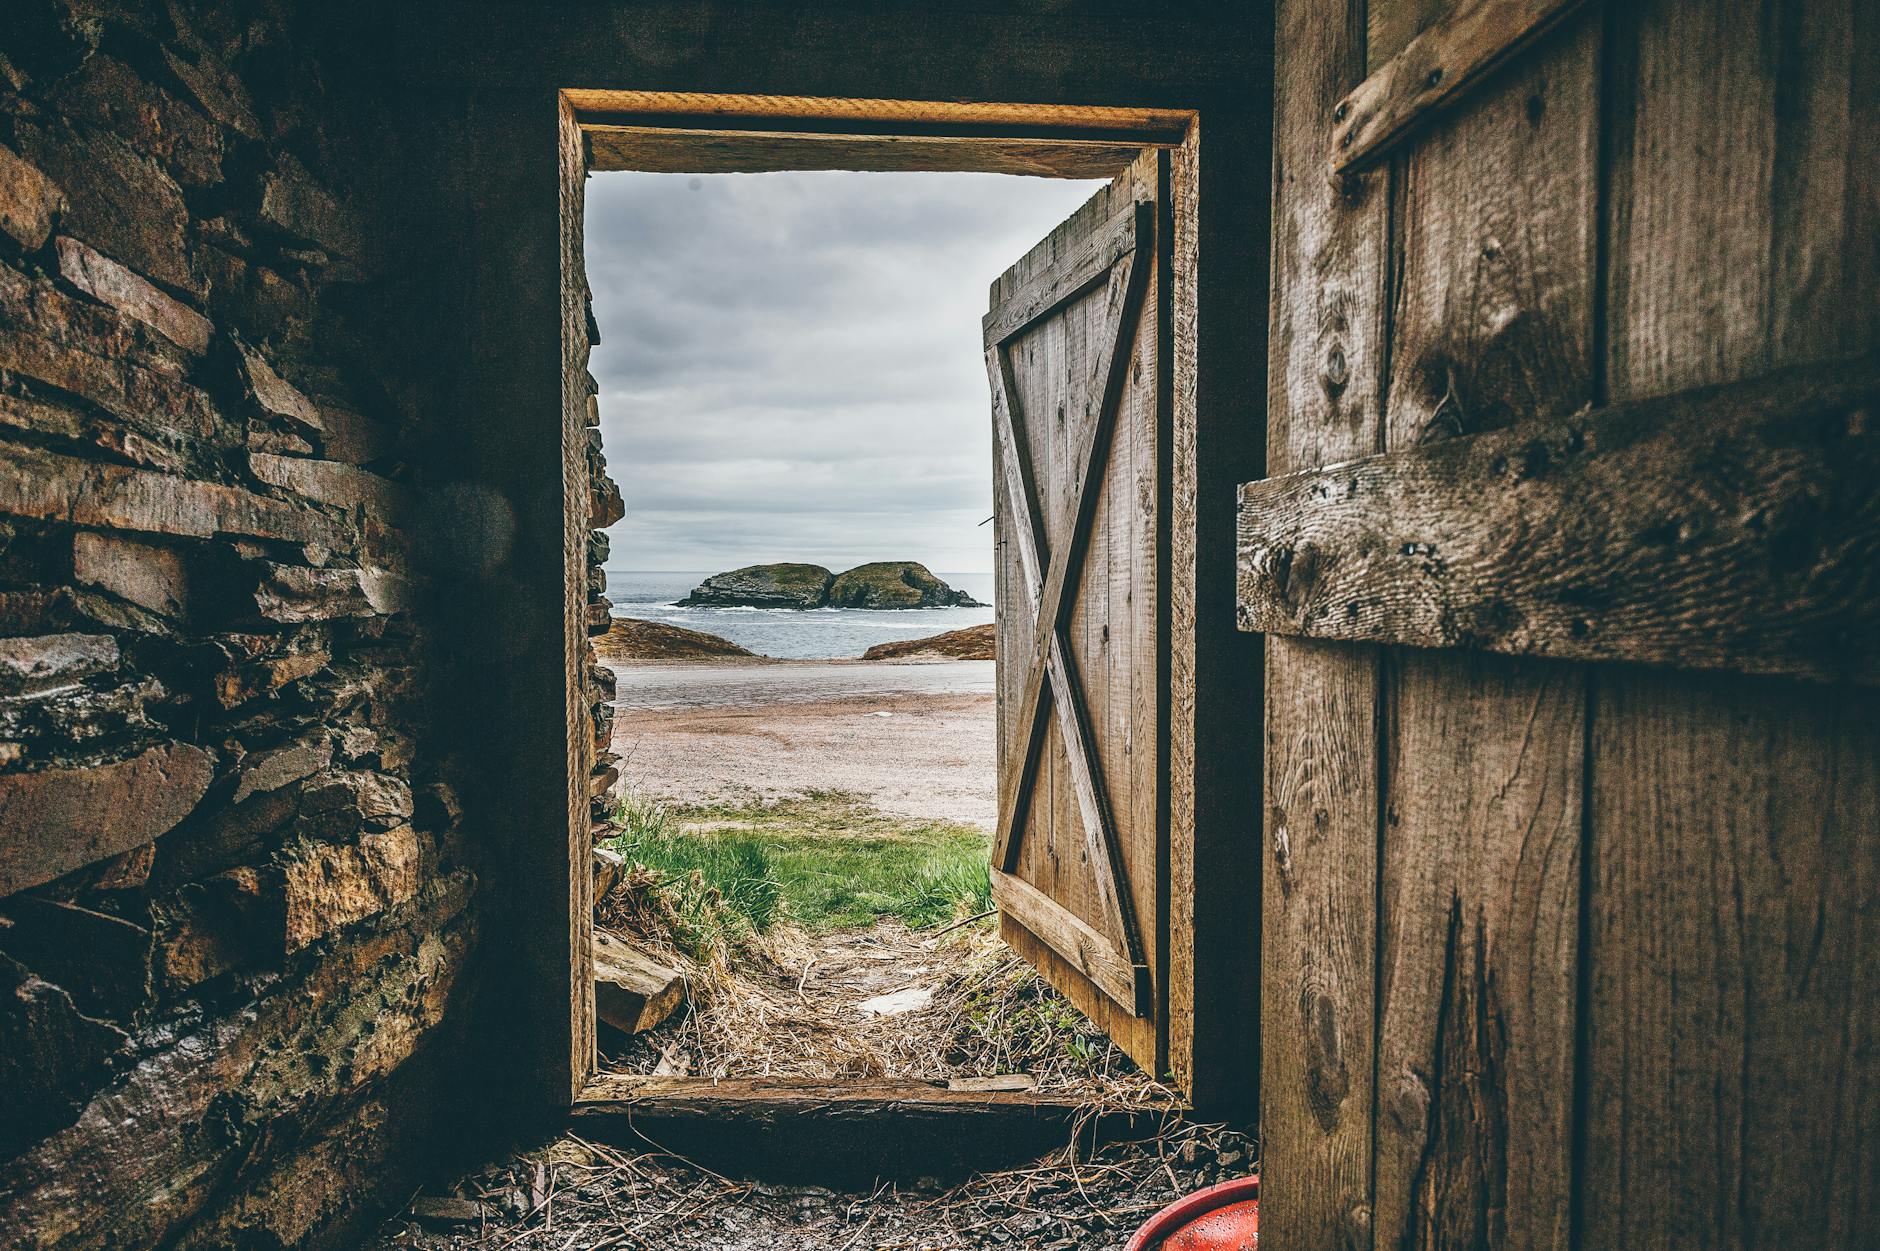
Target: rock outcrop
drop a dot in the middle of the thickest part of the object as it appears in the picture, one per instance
(978, 642)
(895, 584)
(630, 638)
(764, 586)
(883, 584)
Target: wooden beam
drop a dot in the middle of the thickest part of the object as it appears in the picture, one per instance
(1145, 125)
(1087, 951)
(698, 132)
(1434, 70)
(1069, 276)
(845, 1131)
(663, 151)
(1732, 528)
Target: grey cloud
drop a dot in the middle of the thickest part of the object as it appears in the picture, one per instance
(790, 364)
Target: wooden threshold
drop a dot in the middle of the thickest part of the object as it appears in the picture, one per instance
(807, 1129)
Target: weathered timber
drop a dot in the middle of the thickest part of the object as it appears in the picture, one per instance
(1318, 945)
(56, 820)
(1729, 528)
(1731, 1088)
(1087, 951)
(848, 1131)
(632, 991)
(1482, 756)
(1463, 47)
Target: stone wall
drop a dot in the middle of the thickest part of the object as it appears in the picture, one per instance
(235, 890)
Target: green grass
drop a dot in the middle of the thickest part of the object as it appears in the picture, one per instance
(824, 861)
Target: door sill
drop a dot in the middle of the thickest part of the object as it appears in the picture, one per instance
(850, 1132)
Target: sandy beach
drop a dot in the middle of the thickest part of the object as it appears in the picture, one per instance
(915, 738)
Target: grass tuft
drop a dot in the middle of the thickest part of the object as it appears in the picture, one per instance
(823, 861)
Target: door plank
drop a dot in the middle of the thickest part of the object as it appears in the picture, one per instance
(1093, 955)
(1089, 463)
(1319, 862)
(1067, 692)
(1732, 1083)
(1060, 381)
(1480, 881)
(1436, 69)
(1732, 528)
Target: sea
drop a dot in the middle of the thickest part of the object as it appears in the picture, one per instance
(792, 633)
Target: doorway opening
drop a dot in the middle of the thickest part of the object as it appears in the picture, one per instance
(794, 394)
(1088, 348)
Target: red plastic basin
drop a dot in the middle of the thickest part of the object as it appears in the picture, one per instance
(1223, 1217)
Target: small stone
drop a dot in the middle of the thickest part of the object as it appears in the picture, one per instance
(102, 278)
(445, 1210)
(53, 662)
(294, 203)
(329, 888)
(330, 482)
(271, 770)
(28, 201)
(56, 820)
(274, 393)
(147, 574)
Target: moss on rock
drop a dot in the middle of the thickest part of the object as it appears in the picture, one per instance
(895, 584)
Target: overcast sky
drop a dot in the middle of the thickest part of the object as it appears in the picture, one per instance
(790, 364)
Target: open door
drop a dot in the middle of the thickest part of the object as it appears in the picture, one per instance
(1077, 354)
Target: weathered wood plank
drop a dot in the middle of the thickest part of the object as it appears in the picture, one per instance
(632, 991)
(1731, 1086)
(656, 150)
(1067, 700)
(1493, 314)
(838, 1132)
(1733, 528)
(1319, 890)
(1090, 953)
(1081, 267)
(1459, 50)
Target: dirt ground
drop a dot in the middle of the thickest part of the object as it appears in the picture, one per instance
(577, 1195)
(912, 738)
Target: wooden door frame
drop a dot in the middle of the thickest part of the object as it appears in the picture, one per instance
(1211, 826)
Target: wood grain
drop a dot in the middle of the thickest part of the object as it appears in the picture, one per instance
(1437, 68)
(1733, 528)
(1732, 1084)
(1319, 891)
(1057, 365)
(1093, 955)
(1493, 314)
(846, 1132)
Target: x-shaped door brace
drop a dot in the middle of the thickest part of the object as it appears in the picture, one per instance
(1115, 253)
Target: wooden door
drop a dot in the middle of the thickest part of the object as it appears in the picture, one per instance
(1078, 360)
(1572, 824)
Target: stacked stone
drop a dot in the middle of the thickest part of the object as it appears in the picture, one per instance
(231, 898)
(605, 507)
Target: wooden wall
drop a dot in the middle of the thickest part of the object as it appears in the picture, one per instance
(1554, 953)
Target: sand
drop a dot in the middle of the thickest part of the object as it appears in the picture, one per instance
(913, 738)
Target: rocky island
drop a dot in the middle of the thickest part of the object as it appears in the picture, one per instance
(882, 584)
